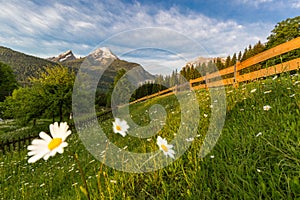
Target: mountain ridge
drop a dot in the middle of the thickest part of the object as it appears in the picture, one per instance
(25, 66)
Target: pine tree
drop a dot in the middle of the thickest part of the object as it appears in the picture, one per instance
(227, 62)
(233, 60)
(244, 57)
(7, 81)
(240, 56)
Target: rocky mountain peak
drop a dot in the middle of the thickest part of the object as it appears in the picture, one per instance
(66, 56)
(103, 52)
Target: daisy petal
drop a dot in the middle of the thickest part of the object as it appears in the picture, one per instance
(60, 150)
(45, 136)
(53, 152)
(37, 156)
(46, 156)
(39, 142)
(66, 134)
(64, 144)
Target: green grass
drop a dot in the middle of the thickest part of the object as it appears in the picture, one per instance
(256, 157)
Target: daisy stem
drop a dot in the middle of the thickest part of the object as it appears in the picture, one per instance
(100, 171)
(82, 175)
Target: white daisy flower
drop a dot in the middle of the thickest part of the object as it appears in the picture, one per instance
(120, 126)
(258, 170)
(267, 92)
(47, 146)
(267, 107)
(253, 90)
(165, 147)
(191, 139)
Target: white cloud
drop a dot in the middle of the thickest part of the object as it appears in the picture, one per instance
(50, 28)
(255, 3)
(296, 4)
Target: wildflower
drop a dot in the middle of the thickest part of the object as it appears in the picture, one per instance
(205, 115)
(189, 139)
(47, 146)
(267, 92)
(253, 90)
(212, 156)
(165, 147)
(258, 134)
(267, 107)
(292, 95)
(120, 126)
(258, 170)
(274, 77)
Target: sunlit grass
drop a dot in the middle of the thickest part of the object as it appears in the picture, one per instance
(256, 157)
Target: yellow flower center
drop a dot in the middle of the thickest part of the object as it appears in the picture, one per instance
(118, 128)
(164, 148)
(55, 142)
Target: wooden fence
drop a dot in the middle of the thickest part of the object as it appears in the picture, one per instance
(15, 144)
(209, 79)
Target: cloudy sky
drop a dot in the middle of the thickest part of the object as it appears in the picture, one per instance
(160, 36)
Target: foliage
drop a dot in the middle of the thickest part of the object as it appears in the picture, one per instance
(24, 105)
(147, 89)
(24, 66)
(49, 95)
(7, 81)
(55, 86)
(284, 31)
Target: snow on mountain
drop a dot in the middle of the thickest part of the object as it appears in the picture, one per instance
(201, 60)
(103, 52)
(66, 56)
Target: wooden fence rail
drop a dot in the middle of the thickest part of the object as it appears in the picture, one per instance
(208, 80)
(15, 144)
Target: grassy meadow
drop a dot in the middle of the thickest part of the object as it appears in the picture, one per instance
(256, 157)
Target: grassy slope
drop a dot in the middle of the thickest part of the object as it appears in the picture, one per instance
(257, 155)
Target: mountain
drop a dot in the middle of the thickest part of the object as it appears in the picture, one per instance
(108, 76)
(103, 52)
(201, 60)
(23, 65)
(66, 56)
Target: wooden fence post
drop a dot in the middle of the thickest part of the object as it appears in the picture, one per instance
(236, 74)
(206, 82)
(191, 85)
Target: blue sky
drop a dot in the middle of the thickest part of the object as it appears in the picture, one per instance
(140, 30)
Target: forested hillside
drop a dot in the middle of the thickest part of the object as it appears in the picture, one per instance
(23, 65)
